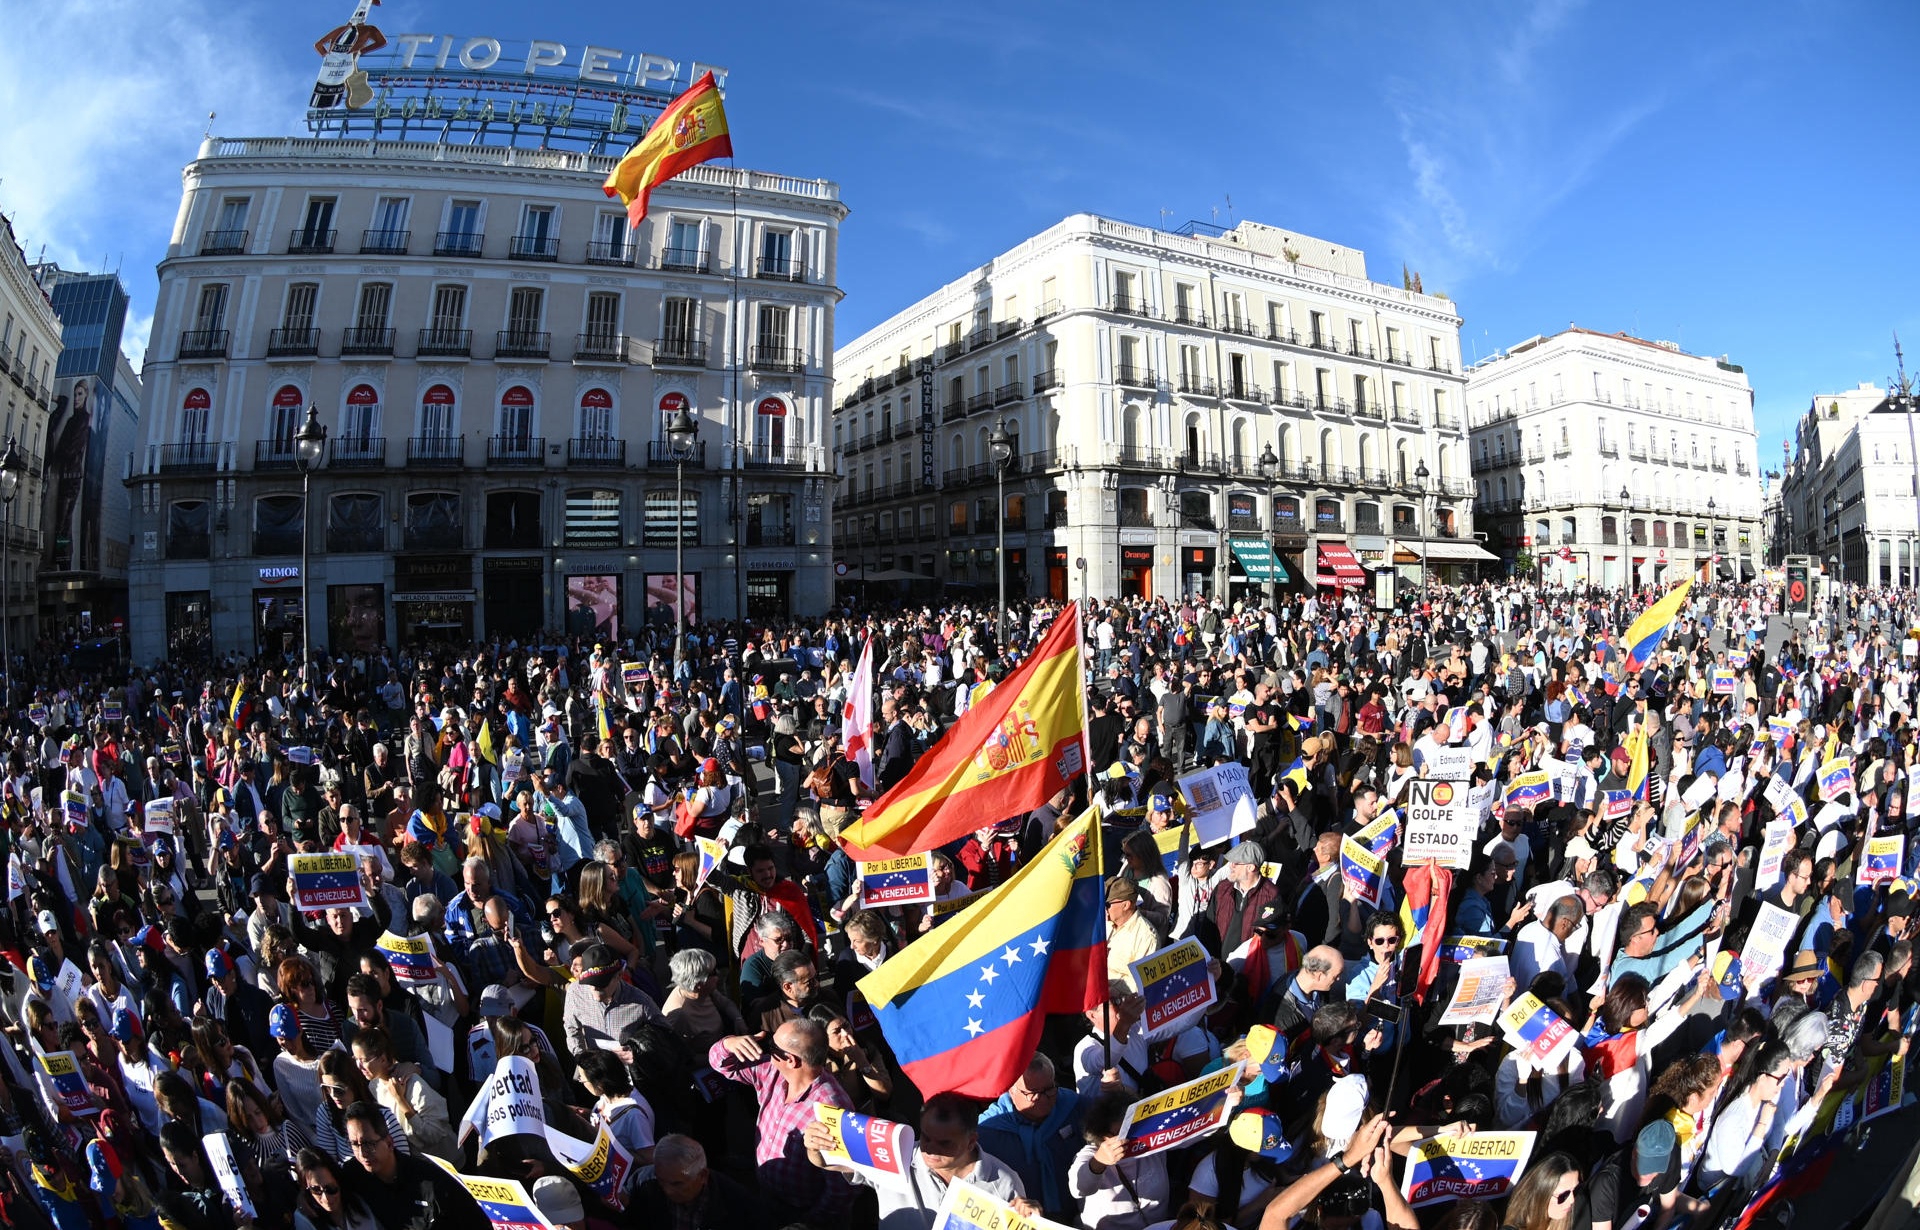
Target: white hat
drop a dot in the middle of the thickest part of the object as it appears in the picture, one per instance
(47, 923)
(1346, 1106)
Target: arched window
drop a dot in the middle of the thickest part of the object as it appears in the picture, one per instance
(770, 440)
(1366, 453)
(355, 522)
(1240, 455)
(1285, 445)
(1196, 440)
(1329, 450)
(516, 418)
(1131, 438)
(360, 421)
(196, 413)
(1444, 461)
(1402, 472)
(284, 416)
(437, 418)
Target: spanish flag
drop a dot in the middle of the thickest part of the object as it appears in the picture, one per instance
(963, 1005)
(1644, 636)
(1008, 754)
(692, 130)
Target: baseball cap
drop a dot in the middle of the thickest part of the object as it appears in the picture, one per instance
(1267, 1050)
(490, 810)
(151, 937)
(283, 1024)
(1161, 802)
(126, 1026)
(163, 845)
(709, 765)
(1260, 1132)
(259, 884)
(46, 922)
(1346, 1104)
(558, 1200)
(218, 963)
(1653, 1148)
(40, 969)
(494, 1001)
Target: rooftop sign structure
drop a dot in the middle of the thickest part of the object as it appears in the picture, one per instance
(486, 91)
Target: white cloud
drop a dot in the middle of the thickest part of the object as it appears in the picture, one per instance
(106, 100)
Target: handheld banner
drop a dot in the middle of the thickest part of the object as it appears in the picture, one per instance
(1885, 1087)
(326, 882)
(1220, 802)
(73, 805)
(1175, 983)
(1779, 793)
(876, 1149)
(411, 957)
(220, 1153)
(1699, 791)
(16, 876)
(1477, 1166)
(1449, 764)
(504, 1201)
(1619, 804)
(69, 1086)
(1440, 823)
(513, 765)
(1529, 789)
(1183, 1113)
(1724, 681)
(897, 881)
(1462, 948)
(967, 1207)
(1766, 949)
(1836, 779)
(711, 853)
(1883, 859)
(633, 674)
(1363, 870)
(1693, 831)
(1476, 997)
(37, 714)
(300, 754)
(1779, 729)
(157, 815)
(508, 1104)
(1773, 852)
(602, 1164)
(1536, 1031)
(1381, 835)
(1737, 659)
(111, 711)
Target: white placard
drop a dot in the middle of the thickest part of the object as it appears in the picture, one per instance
(1449, 764)
(1441, 824)
(1767, 940)
(1699, 792)
(439, 1041)
(1220, 803)
(1779, 794)
(1477, 996)
(1773, 852)
(220, 1154)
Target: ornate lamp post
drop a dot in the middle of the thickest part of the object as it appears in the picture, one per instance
(12, 469)
(681, 431)
(309, 447)
(1000, 444)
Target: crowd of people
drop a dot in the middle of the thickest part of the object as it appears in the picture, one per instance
(618, 866)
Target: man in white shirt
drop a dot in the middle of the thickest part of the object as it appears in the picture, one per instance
(946, 1148)
(1120, 1014)
(1541, 945)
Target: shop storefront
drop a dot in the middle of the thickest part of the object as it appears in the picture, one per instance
(189, 625)
(1057, 581)
(769, 594)
(511, 598)
(1136, 572)
(277, 613)
(356, 619)
(1337, 567)
(1196, 571)
(1252, 568)
(433, 599)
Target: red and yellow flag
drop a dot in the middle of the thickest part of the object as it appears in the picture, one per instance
(692, 130)
(1008, 754)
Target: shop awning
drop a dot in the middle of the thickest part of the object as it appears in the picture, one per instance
(1445, 549)
(1338, 567)
(1258, 560)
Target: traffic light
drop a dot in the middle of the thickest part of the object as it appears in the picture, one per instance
(1799, 588)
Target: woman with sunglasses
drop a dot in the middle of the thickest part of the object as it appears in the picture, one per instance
(1546, 1197)
(324, 1203)
(341, 1085)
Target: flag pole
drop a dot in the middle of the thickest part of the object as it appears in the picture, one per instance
(1099, 847)
(742, 424)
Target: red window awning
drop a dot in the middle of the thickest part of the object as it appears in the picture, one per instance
(1336, 559)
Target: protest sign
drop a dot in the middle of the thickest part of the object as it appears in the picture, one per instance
(1480, 800)
(1440, 824)
(73, 805)
(439, 1041)
(1779, 729)
(326, 882)
(300, 754)
(1175, 982)
(1477, 1166)
(897, 881)
(227, 1170)
(1836, 778)
(376, 853)
(1724, 681)
(1536, 1031)
(967, 1207)
(1766, 949)
(504, 1201)
(1774, 845)
(633, 674)
(1883, 860)
(68, 1085)
(1476, 997)
(878, 1150)
(1796, 811)
(602, 1163)
(38, 714)
(1699, 791)
(1220, 802)
(1617, 804)
(513, 765)
(1183, 1113)
(1363, 870)
(1693, 830)
(112, 712)
(1737, 659)
(1779, 793)
(508, 1104)
(411, 957)
(1885, 1086)
(157, 815)
(1733, 787)
(1530, 789)
(1571, 783)
(71, 984)
(1449, 764)
(1380, 835)
(1461, 948)
(16, 876)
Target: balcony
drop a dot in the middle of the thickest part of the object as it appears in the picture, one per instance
(275, 455)
(1440, 365)
(675, 350)
(437, 452)
(203, 344)
(433, 538)
(1198, 386)
(1609, 449)
(385, 243)
(1370, 410)
(1048, 307)
(1367, 525)
(366, 341)
(347, 541)
(1139, 457)
(597, 453)
(1241, 390)
(445, 343)
(309, 241)
(982, 400)
(1562, 449)
(610, 252)
(1406, 415)
(1048, 378)
(780, 269)
(1291, 526)
(983, 336)
(1135, 377)
(1329, 525)
(534, 248)
(953, 411)
(1136, 519)
(284, 342)
(660, 455)
(1009, 392)
(362, 453)
(1536, 454)
(1191, 317)
(602, 348)
(223, 243)
(516, 452)
(199, 457)
(1398, 357)
(458, 243)
(522, 344)
(773, 357)
(1129, 305)
(778, 457)
(1719, 466)
(683, 260)
(1319, 342)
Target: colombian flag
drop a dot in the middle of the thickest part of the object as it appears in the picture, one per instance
(1423, 917)
(483, 742)
(962, 1006)
(1638, 783)
(692, 130)
(601, 723)
(1646, 632)
(1008, 754)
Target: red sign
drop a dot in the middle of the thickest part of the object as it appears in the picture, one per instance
(438, 395)
(363, 395)
(772, 406)
(198, 399)
(596, 399)
(1526, 540)
(287, 396)
(674, 403)
(518, 395)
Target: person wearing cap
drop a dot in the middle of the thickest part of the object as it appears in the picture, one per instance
(1646, 1172)
(569, 817)
(1238, 900)
(296, 1067)
(236, 1002)
(601, 1003)
(559, 1202)
(110, 989)
(1130, 934)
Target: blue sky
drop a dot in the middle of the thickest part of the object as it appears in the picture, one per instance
(1739, 178)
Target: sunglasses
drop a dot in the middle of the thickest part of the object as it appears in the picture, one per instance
(1385, 941)
(325, 1189)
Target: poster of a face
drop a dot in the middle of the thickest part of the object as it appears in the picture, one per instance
(358, 616)
(593, 606)
(660, 596)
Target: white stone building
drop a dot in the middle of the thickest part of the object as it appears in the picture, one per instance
(30, 346)
(494, 357)
(1609, 460)
(1848, 492)
(1140, 376)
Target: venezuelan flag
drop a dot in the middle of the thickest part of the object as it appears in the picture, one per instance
(1296, 773)
(692, 130)
(962, 1006)
(1423, 918)
(1644, 635)
(1008, 754)
(1172, 843)
(240, 707)
(601, 723)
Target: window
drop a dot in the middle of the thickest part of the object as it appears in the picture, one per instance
(659, 528)
(1124, 299)
(770, 429)
(593, 518)
(277, 525)
(1196, 510)
(437, 413)
(684, 243)
(284, 415)
(390, 216)
(1318, 326)
(537, 239)
(301, 298)
(433, 519)
(189, 529)
(773, 334)
(609, 238)
(449, 309)
(212, 313)
(316, 228)
(355, 523)
(680, 320)
(516, 417)
(523, 311)
(360, 425)
(776, 254)
(195, 411)
(603, 317)
(957, 517)
(233, 215)
(596, 415)
(1183, 312)
(463, 218)
(770, 519)
(375, 300)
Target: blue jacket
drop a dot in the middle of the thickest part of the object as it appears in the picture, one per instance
(1040, 1153)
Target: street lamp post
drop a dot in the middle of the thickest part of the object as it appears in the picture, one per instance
(1626, 525)
(681, 431)
(309, 444)
(11, 470)
(1001, 446)
(1420, 475)
(1711, 552)
(1270, 470)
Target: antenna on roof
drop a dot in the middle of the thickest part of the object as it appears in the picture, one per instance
(208, 131)
(1165, 213)
(1229, 207)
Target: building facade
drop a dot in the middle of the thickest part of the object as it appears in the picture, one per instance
(95, 429)
(494, 357)
(29, 356)
(1139, 376)
(1604, 459)
(1847, 494)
